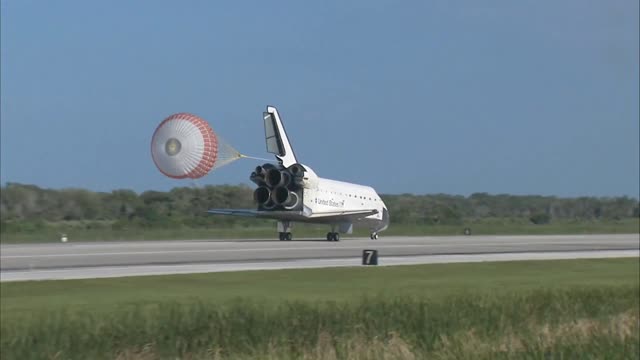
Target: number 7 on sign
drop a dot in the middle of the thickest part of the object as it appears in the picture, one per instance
(370, 257)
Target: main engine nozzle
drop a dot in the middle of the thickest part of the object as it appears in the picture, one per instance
(262, 195)
(282, 196)
(276, 178)
(297, 174)
(260, 173)
(257, 178)
(296, 170)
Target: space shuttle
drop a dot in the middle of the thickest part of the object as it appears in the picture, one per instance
(291, 192)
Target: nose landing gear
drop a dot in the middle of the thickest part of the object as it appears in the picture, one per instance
(374, 236)
(285, 236)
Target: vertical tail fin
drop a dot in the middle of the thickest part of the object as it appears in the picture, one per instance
(276, 138)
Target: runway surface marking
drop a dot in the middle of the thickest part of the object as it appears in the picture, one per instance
(256, 249)
(145, 270)
(100, 259)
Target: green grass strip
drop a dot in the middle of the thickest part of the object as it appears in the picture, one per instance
(532, 309)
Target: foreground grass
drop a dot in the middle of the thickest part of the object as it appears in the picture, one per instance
(88, 231)
(535, 309)
(596, 323)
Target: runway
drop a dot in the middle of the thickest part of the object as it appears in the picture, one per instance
(116, 259)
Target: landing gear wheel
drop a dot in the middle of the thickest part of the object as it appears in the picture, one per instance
(374, 236)
(288, 236)
(331, 236)
(282, 236)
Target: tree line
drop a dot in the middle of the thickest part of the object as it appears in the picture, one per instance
(20, 203)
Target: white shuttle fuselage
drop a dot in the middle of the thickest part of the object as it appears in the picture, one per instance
(292, 192)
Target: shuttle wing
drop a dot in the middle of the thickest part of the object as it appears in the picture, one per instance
(342, 215)
(302, 216)
(277, 215)
(253, 213)
(234, 212)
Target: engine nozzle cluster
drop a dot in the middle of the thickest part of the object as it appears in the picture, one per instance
(277, 187)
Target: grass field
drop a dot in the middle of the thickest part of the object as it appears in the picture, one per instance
(534, 309)
(89, 231)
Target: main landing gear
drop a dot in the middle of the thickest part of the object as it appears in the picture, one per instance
(374, 236)
(284, 230)
(333, 236)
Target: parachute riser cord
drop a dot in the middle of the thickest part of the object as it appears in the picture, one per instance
(255, 158)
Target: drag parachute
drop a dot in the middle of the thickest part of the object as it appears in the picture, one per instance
(185, 146)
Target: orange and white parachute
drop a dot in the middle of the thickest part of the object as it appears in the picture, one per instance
(185, 146)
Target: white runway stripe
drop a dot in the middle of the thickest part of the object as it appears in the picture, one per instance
(147, 270)
(263, 249)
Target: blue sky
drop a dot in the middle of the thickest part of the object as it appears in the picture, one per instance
(521, 97)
